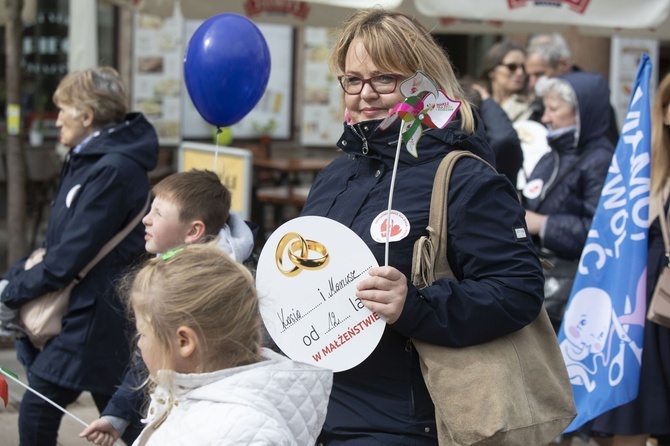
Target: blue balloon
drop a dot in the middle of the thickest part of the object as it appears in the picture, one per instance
(226, 68)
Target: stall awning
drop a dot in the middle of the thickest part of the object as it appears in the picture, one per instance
(643, 18)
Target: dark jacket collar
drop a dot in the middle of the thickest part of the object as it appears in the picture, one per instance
(135, 138)
(368, 140)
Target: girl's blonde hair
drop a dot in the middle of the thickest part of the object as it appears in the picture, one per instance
(399, 44)
(99, 89)
(200, 287)
(660, 138)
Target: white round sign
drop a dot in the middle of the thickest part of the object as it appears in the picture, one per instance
(306, 279)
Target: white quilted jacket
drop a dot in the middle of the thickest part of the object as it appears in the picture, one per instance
(274, 402)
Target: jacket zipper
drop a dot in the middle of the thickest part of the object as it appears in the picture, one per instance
(364, 150)
(557, 162)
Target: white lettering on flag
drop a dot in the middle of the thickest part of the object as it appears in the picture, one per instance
(602, 331)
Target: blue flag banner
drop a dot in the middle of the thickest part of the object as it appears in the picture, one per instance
(602, 331)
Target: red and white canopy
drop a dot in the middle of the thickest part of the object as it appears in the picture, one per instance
(643, 18)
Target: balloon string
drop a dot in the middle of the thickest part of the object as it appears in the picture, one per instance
(388, 214)
(216, 151)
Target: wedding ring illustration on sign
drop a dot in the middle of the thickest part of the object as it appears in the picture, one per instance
(298, 253)
(281, 247)
(306, 262)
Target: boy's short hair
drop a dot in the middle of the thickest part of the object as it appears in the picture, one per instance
(200, 195)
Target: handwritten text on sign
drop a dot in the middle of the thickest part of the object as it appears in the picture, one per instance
(306, 279)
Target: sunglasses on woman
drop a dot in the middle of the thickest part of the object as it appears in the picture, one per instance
(512, 67)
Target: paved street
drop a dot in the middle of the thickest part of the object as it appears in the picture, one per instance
(84, 408)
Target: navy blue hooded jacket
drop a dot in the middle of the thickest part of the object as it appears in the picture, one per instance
(570, 200)
(503, 139)
(102, 188)
(499, 283)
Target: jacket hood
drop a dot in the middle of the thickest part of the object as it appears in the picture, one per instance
(382, 144)
(236, 238)
(135, 138)
(291, 392)
(593, 102)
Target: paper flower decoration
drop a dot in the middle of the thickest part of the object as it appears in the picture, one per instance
(424, 104)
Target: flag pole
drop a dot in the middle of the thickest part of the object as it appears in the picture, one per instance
(15, 378)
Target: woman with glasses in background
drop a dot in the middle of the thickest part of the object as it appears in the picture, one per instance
(498, 285)
(504, 78)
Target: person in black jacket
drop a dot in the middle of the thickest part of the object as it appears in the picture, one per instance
(103, 186)
(563, 190)
(500, 133)
(548, 55)
(498, 285)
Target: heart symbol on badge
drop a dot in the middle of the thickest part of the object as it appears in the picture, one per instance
(395, 228)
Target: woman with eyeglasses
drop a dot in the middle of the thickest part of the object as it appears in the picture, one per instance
(498, 285)
(505, 80)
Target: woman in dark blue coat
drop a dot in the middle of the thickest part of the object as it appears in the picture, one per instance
(563, 190)
(103, 186)
(383, 400)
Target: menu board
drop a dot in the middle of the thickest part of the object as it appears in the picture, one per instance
(624, 61)
(157, 72)
(322, 110)
(160, 93)
(272, 115)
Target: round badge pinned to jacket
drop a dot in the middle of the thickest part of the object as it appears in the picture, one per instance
(306, 279)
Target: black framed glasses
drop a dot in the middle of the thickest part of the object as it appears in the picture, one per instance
(512, 67)
(381, 84)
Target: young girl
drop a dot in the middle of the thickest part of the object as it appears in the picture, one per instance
(197, 318)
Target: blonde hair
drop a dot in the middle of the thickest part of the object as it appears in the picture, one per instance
(200, 287)
(399, 44)
(660, 138)
(99, 89)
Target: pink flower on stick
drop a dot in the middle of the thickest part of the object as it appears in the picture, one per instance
(424, 104)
